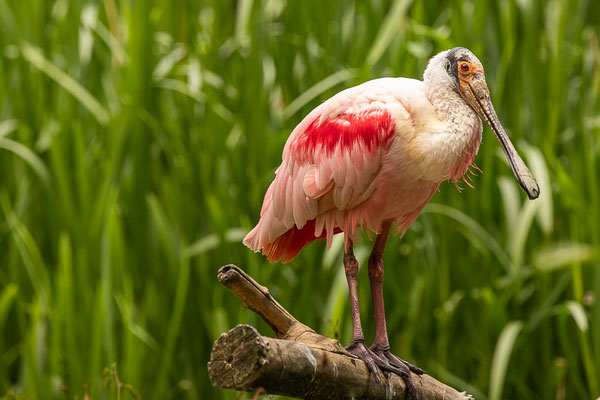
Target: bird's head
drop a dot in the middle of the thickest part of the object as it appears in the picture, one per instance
(460, 70)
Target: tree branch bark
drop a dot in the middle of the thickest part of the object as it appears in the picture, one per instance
(299, 362)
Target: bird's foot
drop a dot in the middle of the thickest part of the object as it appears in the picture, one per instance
(384, 360)
(396, 361)
(359, 349)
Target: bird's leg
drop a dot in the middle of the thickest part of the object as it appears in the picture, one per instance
(357, 346)
(381, 344)
(351, 269)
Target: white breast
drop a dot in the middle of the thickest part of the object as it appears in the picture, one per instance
(441, 141)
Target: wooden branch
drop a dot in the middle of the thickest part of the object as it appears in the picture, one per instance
(300, 362)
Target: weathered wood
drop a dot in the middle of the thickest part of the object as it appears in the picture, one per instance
(299, 363)
(258, 299)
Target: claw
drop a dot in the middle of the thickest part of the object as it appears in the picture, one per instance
(388, 363)
(359, 349)
(395, 361)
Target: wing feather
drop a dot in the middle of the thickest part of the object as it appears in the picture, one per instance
(340, 155)
(329, 165)
(279, 187)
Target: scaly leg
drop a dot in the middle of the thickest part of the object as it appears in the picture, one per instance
(357, 346)
(381, 345)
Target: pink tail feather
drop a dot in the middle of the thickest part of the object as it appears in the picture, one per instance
(287, 246)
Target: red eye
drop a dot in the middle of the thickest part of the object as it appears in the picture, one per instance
(464, 67)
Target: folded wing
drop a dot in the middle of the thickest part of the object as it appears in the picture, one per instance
(329, 165)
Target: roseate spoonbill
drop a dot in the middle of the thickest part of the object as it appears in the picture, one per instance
(371, 157)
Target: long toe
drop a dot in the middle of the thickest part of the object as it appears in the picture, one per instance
(359, 349)
(399, 367)
(396, 361)
(373, 360)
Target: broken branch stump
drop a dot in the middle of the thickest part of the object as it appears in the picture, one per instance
(299, 362)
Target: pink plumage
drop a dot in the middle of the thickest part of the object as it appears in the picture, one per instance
(348, 165)
(371, 157)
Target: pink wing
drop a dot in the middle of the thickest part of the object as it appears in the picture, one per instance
(329, 165)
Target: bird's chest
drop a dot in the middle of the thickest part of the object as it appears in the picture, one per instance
(442, 151)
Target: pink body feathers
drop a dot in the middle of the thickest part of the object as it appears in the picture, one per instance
(371, 157)
(371, 153)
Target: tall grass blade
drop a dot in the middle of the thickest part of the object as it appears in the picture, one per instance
(30, 254)
(473, 226)
(502, 353)
(8, 126)
(28, 156)
(174, 328)
(518, 239)
(317, 90)
(390, 28)
(7, 298)
(564, 255)
(37, 59)
(545, 211)
(511, 200)
(578, 313)
(201, 246)
(166, 64)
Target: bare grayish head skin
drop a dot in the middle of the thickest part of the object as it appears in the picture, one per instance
(464, 73)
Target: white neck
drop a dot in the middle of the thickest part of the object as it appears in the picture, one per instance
(441, 93)
(448, 104)
(461, 122)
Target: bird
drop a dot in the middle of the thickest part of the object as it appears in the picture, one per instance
(369, 159)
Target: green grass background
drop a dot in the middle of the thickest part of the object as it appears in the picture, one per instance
(137, 140)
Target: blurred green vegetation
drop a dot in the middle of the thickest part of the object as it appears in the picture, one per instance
(137, 140)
